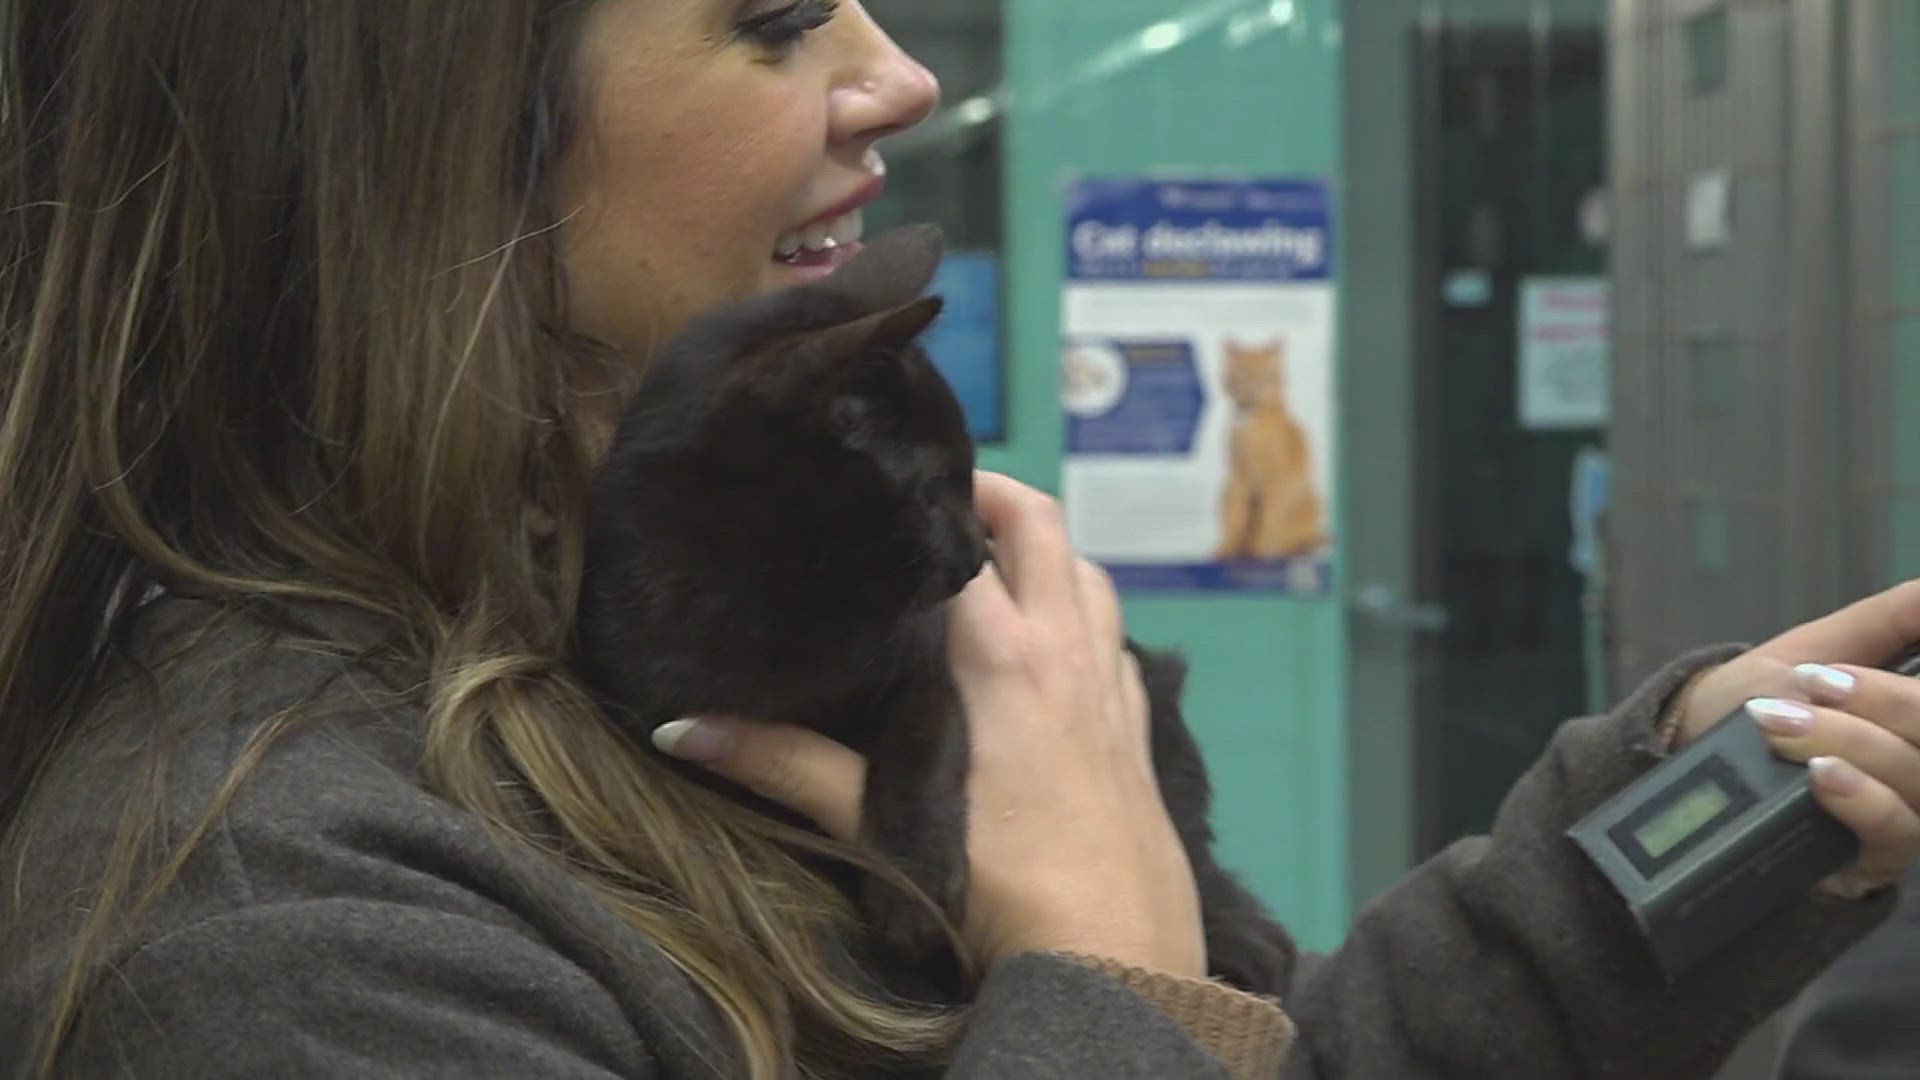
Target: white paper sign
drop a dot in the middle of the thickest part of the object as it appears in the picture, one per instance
(1564, 345)
(1197, 382)
(1710, 211)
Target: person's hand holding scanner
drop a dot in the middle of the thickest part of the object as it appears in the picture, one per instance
(1820, 695)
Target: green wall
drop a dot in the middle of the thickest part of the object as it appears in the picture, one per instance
(1252, 89)
(1307, 87)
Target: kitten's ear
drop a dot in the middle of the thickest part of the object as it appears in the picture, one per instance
(886, 277)
(897, 328)
(881, 335)
(862, 357)
(889, 272)
(856, 367)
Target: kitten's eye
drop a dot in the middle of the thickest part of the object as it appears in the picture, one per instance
(781, 30)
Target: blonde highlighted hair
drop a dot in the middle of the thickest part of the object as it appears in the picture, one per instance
(280, 318)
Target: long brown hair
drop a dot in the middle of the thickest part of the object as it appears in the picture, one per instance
(279, 318)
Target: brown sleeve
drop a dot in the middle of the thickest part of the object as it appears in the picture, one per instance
(1250, 1035)
(1509, 957)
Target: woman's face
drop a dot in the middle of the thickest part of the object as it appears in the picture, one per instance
(725, 147)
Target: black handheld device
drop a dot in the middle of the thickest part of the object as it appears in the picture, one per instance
(1715, 839)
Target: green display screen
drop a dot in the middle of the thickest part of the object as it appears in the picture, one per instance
(1684, 818)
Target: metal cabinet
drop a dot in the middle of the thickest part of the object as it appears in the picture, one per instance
(1766, 266)
(1754, 405)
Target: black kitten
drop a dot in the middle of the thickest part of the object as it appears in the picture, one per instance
(785, 509)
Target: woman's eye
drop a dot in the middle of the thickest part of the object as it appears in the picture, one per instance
(778, 31)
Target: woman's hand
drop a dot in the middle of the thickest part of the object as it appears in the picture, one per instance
(1070, 846)
(1817, 692)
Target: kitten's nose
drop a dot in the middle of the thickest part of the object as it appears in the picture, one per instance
(957, 576)
(979, 550)
(955, 572)
(957, 580)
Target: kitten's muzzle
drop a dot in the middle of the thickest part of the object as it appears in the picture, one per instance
(956, 571)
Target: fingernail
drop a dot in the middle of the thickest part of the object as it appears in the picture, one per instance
(693, 740)
(1823, 680)
(1780, 717)
(1835, 775)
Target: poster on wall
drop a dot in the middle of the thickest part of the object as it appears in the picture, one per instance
(1563, 353)
(965, 341)
(1197, 381)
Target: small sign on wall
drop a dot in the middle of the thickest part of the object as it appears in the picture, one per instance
(1564, 345)
(1710, 211)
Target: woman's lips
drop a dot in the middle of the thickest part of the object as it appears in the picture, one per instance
(813, 265)
(867, 192)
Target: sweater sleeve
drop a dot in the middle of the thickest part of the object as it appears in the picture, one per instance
(1054, 1016)
(352, 988)
(1856, 1021)
(1509, 956)
(1246, 1033)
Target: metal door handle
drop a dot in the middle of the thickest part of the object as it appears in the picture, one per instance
(1384, 605)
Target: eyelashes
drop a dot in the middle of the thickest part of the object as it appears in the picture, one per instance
(780, 30)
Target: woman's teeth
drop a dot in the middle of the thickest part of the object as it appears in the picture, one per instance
(823, 237)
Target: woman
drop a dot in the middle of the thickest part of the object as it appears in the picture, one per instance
(315, 314)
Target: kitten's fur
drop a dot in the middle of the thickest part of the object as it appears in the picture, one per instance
(1271, 508)
(786, 508)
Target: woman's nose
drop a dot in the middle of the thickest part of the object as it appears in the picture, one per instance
(882, 91)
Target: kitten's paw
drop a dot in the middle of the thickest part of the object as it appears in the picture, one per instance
(911, 939)
(1251, 953)
(1246, 947)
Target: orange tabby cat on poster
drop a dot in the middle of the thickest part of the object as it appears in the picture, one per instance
(1272, 508)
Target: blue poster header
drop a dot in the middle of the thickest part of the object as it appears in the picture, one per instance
(1203, 230)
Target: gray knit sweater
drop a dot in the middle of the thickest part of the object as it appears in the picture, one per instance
(343, 922)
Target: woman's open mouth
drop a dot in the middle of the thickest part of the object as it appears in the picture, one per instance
(820, 247)
(827, 244)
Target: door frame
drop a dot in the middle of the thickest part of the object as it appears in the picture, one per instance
(1381, 491)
